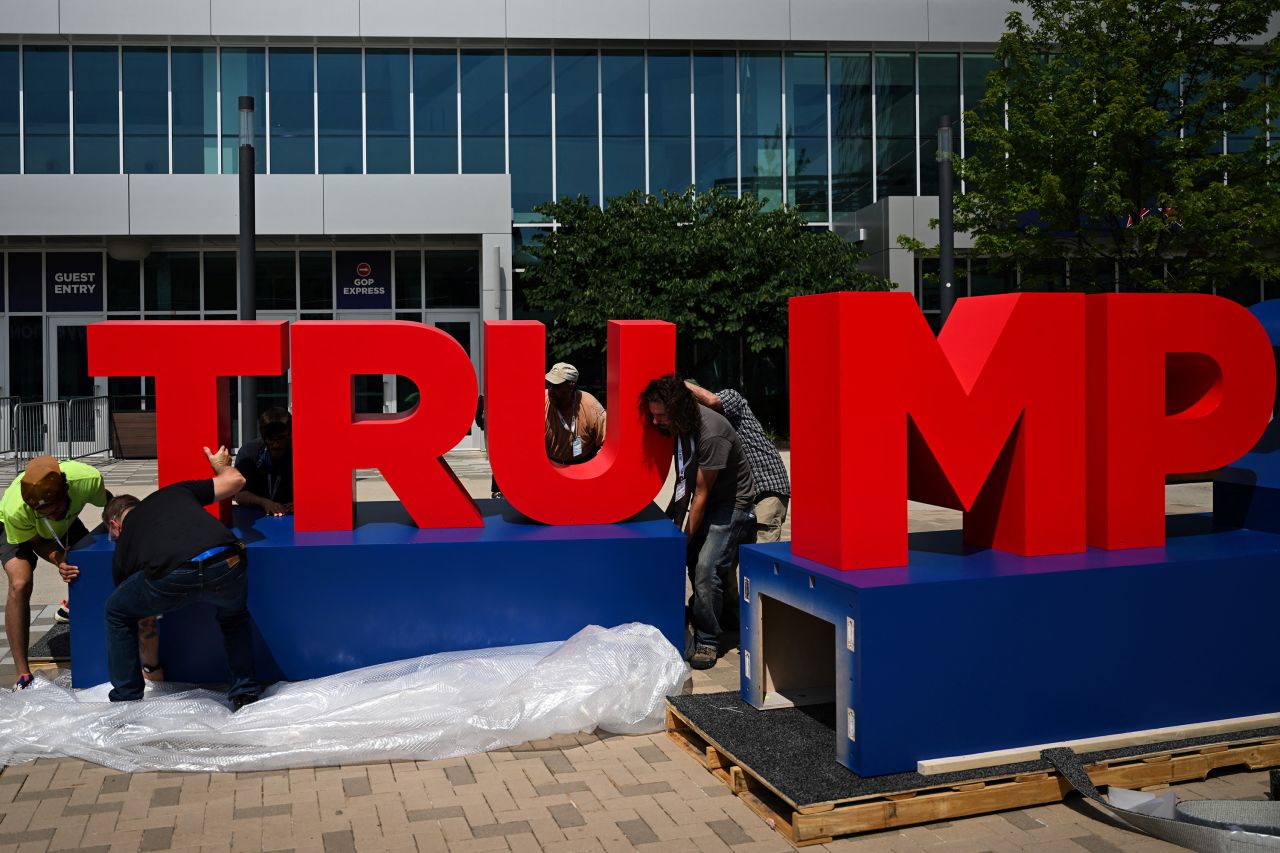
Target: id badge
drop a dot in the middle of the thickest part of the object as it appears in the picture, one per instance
(679, 495)
(577, 446)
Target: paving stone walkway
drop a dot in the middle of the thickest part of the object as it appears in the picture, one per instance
(585, 792)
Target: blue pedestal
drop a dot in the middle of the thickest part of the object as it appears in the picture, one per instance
(330, 602)
(964, 653)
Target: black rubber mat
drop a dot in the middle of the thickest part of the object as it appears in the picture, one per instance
(54, 645)
(794, 750)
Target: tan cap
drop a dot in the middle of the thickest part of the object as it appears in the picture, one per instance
(561, 372)
(43, 483)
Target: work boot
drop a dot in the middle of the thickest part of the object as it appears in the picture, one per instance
(704, 657)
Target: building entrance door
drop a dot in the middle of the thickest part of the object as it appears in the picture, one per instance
(78, 426)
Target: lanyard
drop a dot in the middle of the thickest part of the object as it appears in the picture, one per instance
(680, 472)
(53, 533)
(571, 426)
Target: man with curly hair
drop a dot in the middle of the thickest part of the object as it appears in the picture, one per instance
(713, 498)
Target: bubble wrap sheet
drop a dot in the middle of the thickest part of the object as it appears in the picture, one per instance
(439, 706)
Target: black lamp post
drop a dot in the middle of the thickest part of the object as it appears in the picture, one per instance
(248, 248)
(946, 230)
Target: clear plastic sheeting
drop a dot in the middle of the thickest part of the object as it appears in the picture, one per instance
(439, 706)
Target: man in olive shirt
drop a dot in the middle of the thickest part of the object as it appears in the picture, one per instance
(39, 518)
(170, 553)
(719, 497)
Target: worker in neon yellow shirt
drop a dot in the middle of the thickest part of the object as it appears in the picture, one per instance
(39, 518)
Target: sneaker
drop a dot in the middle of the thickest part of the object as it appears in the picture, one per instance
(704, 657)
(24, 681)
(63, 613)
(238, 702)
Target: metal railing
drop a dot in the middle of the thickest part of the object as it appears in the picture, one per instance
(7, 405)
(65, 429)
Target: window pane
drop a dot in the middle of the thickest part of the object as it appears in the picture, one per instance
(807, 135)
(577, 151)
(622, 84)
(435, 111)
(26, 281)
(670, 84)
(45, 83)
(386, 81)
(338, 98)
(146, 110)
(976, 68)
(195, 110)
(220, 285)
(939, 96)
(762, 126)
(26, 358)
(453, 279)
(408, 267)
(895, 124)
(124, 279)
(315, 274)
(715, 120)
(97, 103)
(292, 120)
(244, 72)
(483, 149)
(275, 280)
(172, 281)
(9, 147)
(530, 108)
(850, 131)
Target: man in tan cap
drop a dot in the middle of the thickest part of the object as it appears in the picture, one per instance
(575, 419)
(39, 517)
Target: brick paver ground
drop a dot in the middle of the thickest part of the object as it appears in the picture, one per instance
(572, 793)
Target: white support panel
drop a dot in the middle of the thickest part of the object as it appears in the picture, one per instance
(64, 205)
(417, 204)
(480, 19)
(723, 20)
(135, 17)
(332, 18)
(29, 17)
(183, 204)
(290, 204)
(864, 21)
(970, 21)
(577, 19)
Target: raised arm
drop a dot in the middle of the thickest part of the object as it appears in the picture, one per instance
(703, 396)
(227, 480)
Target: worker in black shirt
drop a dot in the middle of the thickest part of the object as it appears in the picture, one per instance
(267, 464)
(170, 552)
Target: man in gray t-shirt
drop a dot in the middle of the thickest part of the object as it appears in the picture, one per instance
(713, 479)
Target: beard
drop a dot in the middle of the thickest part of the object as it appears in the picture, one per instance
(665, 430)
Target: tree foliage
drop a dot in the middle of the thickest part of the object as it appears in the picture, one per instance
(717, 266)
(1101, 138)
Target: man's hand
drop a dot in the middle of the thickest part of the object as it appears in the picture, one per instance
(219, 461)
(68, 572)
(274, 508)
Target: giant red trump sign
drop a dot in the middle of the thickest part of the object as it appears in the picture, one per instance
(1052, 420)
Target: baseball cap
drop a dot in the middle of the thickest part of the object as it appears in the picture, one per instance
(561, 372)
(43, 483)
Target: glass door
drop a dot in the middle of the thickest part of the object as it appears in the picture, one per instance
(463, 327)
(78, 425)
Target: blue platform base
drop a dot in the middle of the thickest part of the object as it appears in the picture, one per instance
(965, 653)
(324, 603)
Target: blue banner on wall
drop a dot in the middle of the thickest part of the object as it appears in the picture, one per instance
(364, 281)
(73, 281)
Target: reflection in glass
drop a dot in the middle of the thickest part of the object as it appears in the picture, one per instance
(529, 104)
(338, 111)
(195, 110)
(850, 131)
(976, 68)
(96, 74)
(577, 152)
(715, 121)
(895, 124)
(670, 151)
(275, 278)
(807, 135)
(10, 149)
(45, 81)
(483, 149)
(171, 281)
(622, 117)
(26, 358)
(435, 111)
(761, 81)
(453, 279)
(292, 148)
(386, 83)
(146, 110)
(244, 72)
(939, 96)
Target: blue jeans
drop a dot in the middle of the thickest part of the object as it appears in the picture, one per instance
(224, 586)
(713, 554)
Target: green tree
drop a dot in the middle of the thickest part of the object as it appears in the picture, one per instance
(719, 267)
(1101, 138)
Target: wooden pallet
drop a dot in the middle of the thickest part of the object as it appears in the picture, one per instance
(817, 823)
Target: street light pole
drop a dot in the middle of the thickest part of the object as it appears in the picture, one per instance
(946, 229)
(248, 249)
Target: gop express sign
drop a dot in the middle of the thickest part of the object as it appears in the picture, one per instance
(1051, 420)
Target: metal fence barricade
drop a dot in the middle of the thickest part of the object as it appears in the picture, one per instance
(6, 426)
(65, 429)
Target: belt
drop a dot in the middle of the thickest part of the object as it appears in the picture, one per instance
(229, 554)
